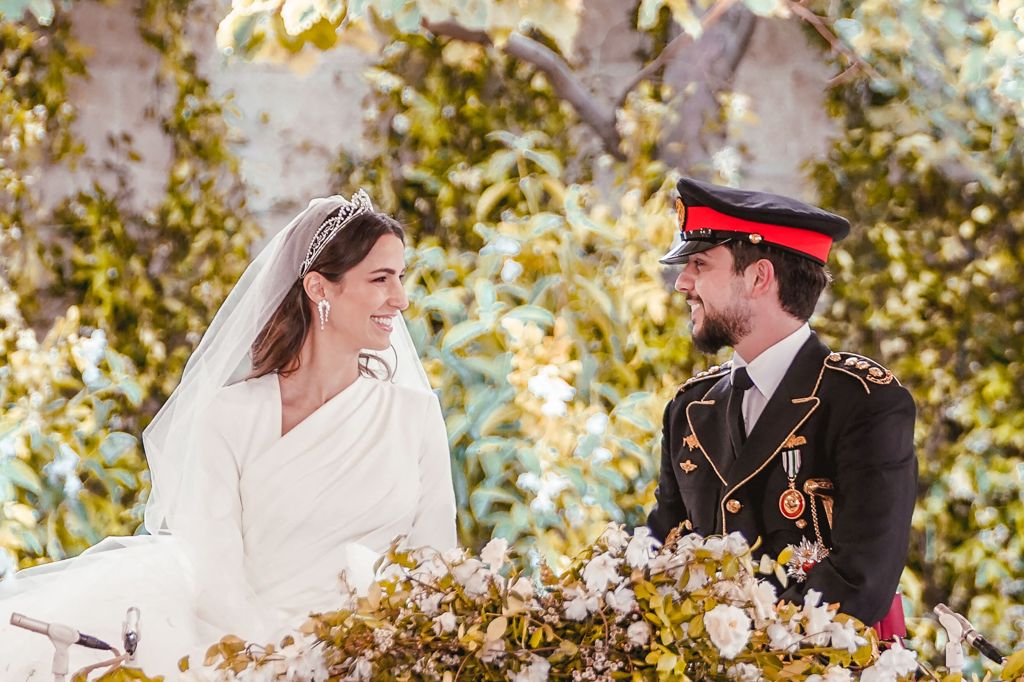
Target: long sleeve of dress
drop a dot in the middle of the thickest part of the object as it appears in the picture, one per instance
(210, 529)
(434, 524)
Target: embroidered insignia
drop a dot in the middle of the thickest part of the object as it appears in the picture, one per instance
(865, 369)
(681, 213)
(691, 441)
(688, 467)
(794, 442)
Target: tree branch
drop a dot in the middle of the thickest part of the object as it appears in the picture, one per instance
(832, 39)
(677, 43)
(563, 80)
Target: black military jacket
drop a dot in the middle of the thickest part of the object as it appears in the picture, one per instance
(853, 425)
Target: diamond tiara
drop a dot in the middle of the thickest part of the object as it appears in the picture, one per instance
(358, 205)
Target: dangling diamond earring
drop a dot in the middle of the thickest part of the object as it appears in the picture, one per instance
(323, 306)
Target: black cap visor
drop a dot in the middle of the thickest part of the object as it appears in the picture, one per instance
(684, 249)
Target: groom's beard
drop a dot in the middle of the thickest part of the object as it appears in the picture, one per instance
(721, 329)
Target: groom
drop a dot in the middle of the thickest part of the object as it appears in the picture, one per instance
(790, 443)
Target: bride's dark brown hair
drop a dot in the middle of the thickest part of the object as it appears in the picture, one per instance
(277, 347)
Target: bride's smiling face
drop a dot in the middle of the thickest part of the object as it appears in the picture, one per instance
(365, 303)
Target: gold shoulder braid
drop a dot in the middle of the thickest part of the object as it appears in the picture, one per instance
(860, 367)
(715, 372)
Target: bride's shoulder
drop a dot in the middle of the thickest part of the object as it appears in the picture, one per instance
(251, 392)
(410, 395)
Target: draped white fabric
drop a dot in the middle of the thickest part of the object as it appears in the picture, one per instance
(370, 464)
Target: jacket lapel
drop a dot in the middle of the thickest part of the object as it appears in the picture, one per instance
(707, 421)
(789, 407)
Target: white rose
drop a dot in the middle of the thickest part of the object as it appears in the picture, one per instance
(781, 638)
(536, 672)
(894, 662)
(446, 622)
(844, 636)
(816, 619)
(736, 544)
(729, 629)
(495, 553)
(522, 588)
(615, 537)
(641, 547)
(492, 650)
(761, 594)
(698, 578)
(622, 600)
(837, 674)
(744, 672)
(716, 546)
(362, 671)
(601, 571)
(430, 605)
(579, 604)
(639, 633)
(472, 575)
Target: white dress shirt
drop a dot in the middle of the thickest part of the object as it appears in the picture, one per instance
(767, 371)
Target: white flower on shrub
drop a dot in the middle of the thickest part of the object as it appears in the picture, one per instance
(639, 633)
(495, 553)
(641, 547)
(511, 270)
(615, 537)
(844, 636)
(473, 577)
(552, 389)
(446, 622)
(816, 619)
(579, 604)
(597, 423)
(744, 672)
(782, 638)
(602, 571)
(622, 600)
(833, 674)
(729, 629)
(537, 671)
(894, 663)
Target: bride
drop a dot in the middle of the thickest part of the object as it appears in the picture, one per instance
(302, 439)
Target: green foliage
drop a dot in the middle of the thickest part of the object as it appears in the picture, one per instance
(929, 170)
(438, 109)
(69, 474)
(149, 280)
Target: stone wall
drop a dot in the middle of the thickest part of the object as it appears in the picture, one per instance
(290, 127)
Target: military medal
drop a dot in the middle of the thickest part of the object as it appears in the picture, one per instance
(791, 502)
(803, 558)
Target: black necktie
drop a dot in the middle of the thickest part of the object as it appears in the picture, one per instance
(741, 381)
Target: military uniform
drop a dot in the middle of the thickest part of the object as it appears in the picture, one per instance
(828, 467)
(853, 425)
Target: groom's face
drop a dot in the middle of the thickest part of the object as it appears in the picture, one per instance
(719, 309)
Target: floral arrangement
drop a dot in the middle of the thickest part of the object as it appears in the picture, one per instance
(626, 608)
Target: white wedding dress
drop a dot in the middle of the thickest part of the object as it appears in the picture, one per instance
(272, 522)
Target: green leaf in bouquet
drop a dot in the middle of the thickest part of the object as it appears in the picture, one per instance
(1013, 667)
(21, 474)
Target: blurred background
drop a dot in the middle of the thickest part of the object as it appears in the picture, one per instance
(148, 148)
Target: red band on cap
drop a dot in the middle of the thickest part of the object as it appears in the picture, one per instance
(814, 244)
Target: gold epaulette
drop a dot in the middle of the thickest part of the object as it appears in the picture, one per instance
(713, 372)
(861, 368)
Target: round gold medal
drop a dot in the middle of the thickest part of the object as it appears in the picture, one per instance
(791, 504)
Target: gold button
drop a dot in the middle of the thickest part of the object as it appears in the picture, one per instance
(835, 357)
(801, 524)
(733, 506)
